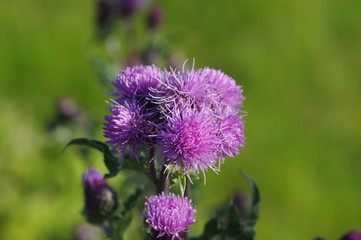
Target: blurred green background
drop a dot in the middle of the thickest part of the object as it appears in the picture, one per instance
(298, 62)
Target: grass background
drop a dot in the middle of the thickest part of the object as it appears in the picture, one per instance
(299, 64)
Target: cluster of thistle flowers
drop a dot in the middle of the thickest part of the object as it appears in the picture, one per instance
(190, 119)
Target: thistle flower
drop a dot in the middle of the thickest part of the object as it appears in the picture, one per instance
(136, 83)
(100, 199)
(127, 127)
(189, 139)
(169, 214)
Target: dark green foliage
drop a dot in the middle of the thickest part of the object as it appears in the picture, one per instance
(231, 223)
(120, 221)
(111, 157)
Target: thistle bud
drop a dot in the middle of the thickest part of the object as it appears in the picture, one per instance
(67, 109)
(127, 8)
(100, 199)
(241, 201)
(353, 235)
(155, 17)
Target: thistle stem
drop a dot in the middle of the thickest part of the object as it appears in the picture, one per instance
(187, 191)
(153, 167)
(163, 180)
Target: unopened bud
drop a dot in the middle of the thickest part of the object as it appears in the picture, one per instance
(155, 17)
(67, 109)
(104, 12)
(127, 8)
(353, 235)
(240, 200)
(100, 199)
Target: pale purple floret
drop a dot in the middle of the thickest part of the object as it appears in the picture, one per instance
(190, 139)
(127, 127)
(169, 214)
(226, 94)
(232, 135)
(185, 87)
(136, 83)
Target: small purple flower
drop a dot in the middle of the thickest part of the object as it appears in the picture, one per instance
(232, 135)
(127, 127)
(353, 235)
(136, 83)
(189, 139)
(169, 214)
(226, 93)
(100, 199)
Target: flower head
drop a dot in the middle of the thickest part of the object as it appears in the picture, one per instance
(189, 139)
(169, 214)
(100, 199)
(136, 83)
(127, 127)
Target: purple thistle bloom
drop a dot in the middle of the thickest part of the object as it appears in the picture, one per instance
(232, 135)
(189, 139)
(136, 83)
(353, 235)
(100, 199)
(226, 93)
(127, 127)
(169, 214)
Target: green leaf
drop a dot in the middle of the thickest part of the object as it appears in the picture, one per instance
(256, 198)
(111, 157)
(230, 223)
(132, 200)
(233, 227)
(211, 229)
(121, 221)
